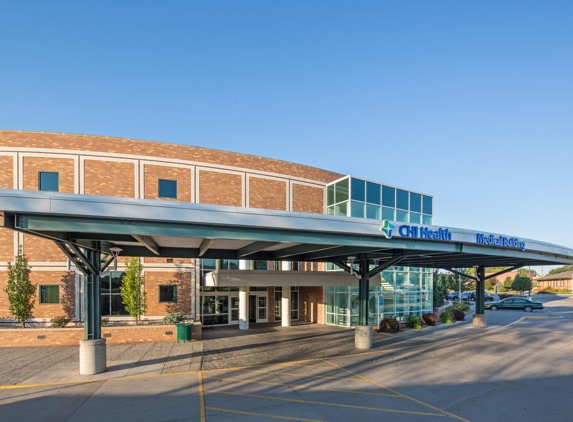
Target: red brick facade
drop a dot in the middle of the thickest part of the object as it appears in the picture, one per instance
(96, 165)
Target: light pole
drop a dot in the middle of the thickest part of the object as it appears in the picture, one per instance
(115, 252)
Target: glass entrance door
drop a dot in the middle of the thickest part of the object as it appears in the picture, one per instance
(258, 308)
(252, 308)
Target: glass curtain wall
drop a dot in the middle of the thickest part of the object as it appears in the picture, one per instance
(353, 197)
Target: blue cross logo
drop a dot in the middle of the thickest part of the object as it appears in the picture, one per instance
(387, 228)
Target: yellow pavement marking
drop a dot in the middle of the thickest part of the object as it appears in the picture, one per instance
(52, 384)
(263, 415)
(303, 386)
(377, 409)
(201, 396)
(301, 375)
(296, 363)
(397, 392)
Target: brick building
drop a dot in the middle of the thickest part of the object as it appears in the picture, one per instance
(105, 166)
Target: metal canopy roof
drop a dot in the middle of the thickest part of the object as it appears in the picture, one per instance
(186, 230)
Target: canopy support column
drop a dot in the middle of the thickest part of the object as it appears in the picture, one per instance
(92, 348)
(480, 319)
(363, 333)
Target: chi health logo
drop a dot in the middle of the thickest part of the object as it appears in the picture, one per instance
(387, 228)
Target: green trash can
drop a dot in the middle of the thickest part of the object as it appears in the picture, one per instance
(184, 331)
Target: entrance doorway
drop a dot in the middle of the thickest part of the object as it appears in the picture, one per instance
(258, 308)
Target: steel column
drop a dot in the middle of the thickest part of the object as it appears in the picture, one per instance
(363, 293)
(92, 312)
(480, 290)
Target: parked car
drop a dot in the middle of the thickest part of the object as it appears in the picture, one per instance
(453, 296)
(516, 303)
(472, 296)
(487, 297)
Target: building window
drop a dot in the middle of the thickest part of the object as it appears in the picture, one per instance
(168, 293)
(168, 188)
(50, 294)
(48, 181)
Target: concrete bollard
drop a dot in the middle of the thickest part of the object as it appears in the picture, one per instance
(363, 337)
(92, 357)
(479, 321)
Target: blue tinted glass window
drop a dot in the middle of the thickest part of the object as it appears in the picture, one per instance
(330, 210)
(167, 188)
(357, 209)
(427, 205)
(373, 193)
(402, 199)
(330, 195)
(415, 202)
(388, 196)
(415, 217)
(373, 211)
(358, 190)
(402, 216)
(341, 193)
(427, 219)
(388, 214)
(48, 181)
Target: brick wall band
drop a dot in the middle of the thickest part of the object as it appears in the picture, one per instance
(107, 145)
(129, 168)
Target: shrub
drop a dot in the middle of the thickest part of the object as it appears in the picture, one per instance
(458, 315)
(459, 305)
(173, 318)
(430, 319)
(104, 322)
(446, 318)
(415, 322)
(59, 321)
(389, 325)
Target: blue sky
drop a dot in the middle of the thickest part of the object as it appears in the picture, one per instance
(468, 101)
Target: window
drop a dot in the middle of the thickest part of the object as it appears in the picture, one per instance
(357, 189)
(415, 202)
(402, 199)
(427, 205)
(168, 293)
(341, 192)
(373, 193)
(48, 181)
(167, 188)
(49, 294)
(388, 196)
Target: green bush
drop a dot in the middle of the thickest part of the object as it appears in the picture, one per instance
(173, 318)
(459, 305)
(389, 325)
(104, 322)
(446, 318)
(430, 319)
(415, 322)
(59, 321)
(551, 291)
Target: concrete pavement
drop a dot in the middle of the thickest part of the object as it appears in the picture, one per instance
(513, 370)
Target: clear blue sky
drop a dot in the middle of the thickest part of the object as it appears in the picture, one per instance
(469, 101)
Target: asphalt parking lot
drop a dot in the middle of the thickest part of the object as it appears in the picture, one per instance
(516, 369)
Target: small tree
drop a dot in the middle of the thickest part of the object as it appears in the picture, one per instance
(133, 294)
(507, 282)
(521, 284)
(21, 292)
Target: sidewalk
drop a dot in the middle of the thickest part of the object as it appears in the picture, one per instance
(226, 347)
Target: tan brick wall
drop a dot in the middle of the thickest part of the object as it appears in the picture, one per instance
(37, 249)
(6, 245)
(179, 277)
(109, 178)
(308, 199)
(66, 281)
(303, 305)
(63, 166)
(6, 172)
(268, 194)
(152, 174)
(220, 188)
(14, 337)
(106, 144)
